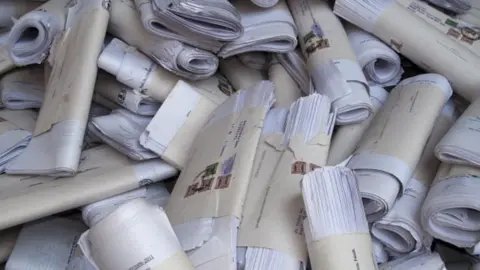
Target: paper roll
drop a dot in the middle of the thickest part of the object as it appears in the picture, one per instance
(137, 234)
(331, 60)
(392, 146)
(415, 39)
(346, 138)
(286, 89)
(184, 60)
(295, 65)
(266, 30)
(32, 34)
(56, 146)
(381, 64)
(238, 74)
(103, 173)
(457, 146)
(337, 238)
(424, 261)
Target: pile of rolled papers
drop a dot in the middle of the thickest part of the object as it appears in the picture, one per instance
(239, 134)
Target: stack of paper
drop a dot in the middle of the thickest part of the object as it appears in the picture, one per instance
(205, 24)
(336, 229)
(286, 89)
(137, 234)
(400, 230)
(205, 213)
(424, 261)
(331, 60)
(181, 59)
(271, 227)
(392, 146)
(23, 88)
(380, 63)
(295, 65)
(268, 30)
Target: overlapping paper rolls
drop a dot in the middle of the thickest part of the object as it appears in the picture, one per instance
(136, 232)
(392, 146)
(23, 88)
(295, 65)
(239, 75)
(331, 60)
(457, 6)
(422, 43)
(286, 89)
(401, 230)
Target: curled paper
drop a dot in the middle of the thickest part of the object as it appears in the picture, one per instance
(181, 59)
(239, 75)
(339, 238)
(416, 39)
(286, 89)
(32, 34)
(424, 261)
(23, 88)
(392, 146)
(401, 230)
(266, 30)
(103, 173)
(331, 60)
(136, 233)
(381, 64)
(295, 65)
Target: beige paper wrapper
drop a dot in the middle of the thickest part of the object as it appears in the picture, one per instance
(430, 49)
(13, 119)
(215, 181)
(238, 74)
(274, 211)
(8, 238)
(350, 252)
(6, 63)
(286, 89)
(178, 261)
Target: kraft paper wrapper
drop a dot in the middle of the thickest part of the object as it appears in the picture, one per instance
(6, 62)
(13, 120)
(274, 211)
(72, 80)
(447, 171)
(430, 49)
(103, 173)
(286, 89)
(401, 129)
(238, 74)
(227, 194)
(346, 252)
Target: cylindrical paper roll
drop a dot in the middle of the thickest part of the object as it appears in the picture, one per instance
(392, 146)
(459, 145)
(136, 234)
(337, 238)
(286, 89)
(331, 60)
(417, 40)
(400, 230)
(346, 138)
(238, 74)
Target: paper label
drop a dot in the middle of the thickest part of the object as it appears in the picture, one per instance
(348, 251)
(274, 211)
(429, 49)
(215, 182)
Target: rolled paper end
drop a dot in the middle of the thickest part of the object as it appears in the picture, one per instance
(111, 57)
(449, 108)
(432, 78)
(379, 93)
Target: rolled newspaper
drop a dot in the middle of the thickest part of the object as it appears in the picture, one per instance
(286, 89)
(331, 60)
(16, 129)
(265, 3)
(103, 173)
(155, 194)
(295, 65)
(136, 235)
(346, 138)
(450, 210)
(23, 88)
(337, 238)
(457, 146)
(267, 30)
(33, 33)
(46, 244)
(381, 64)
(239, 75)
(205, 213)
(392, 146)
(172, 131)
(424, 261)
(13, 9)
(56, 144)
(400, 230)
(183, 60)
(416, 39)
(204, 24)
(457, 6)
(273, 232)
(8, 239)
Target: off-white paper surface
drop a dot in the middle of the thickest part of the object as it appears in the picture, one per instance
(56, 145)
(286, 89)
(294, 63)
(13, 9)
(424, 261)
(238, 74)
(391, 148)
(103, 172)
(331, 60)
(6, 62)
(416, 39)
(8, 238)
(23, 88)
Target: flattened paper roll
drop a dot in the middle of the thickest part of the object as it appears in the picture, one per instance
(392, 146)
(416, 39)
(137, 235)
(331, 60)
